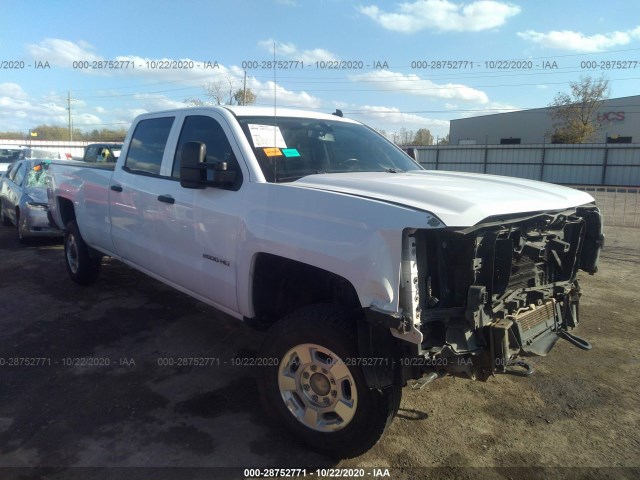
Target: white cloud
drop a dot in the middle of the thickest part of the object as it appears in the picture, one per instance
(196, 72)
(24, 113)
(284, 97)
(489, 109)
(442, 15)
(87, 121)
(155, 102)
(393, 116)
(12, 90)
(190, 81)
(62, 53)
(579, 42)
(289, 51)
(414, 85)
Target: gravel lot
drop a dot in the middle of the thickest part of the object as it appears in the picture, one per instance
(105, 394)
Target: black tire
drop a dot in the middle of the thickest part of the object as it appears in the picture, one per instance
(369, 411)
(21, 238)
(6, 221)
(82, 264)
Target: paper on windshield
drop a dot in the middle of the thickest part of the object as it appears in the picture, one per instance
(266, 136)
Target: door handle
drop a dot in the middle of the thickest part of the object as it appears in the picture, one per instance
(167, 199)
(116, 188)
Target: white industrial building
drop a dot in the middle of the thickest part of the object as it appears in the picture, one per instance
(619, 117)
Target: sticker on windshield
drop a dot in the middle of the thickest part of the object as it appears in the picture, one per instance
(266, 136)
(272, 152)
(290, 152)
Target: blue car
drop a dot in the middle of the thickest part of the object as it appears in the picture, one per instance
(23, 200)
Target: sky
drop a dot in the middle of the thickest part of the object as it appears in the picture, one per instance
(393, 65)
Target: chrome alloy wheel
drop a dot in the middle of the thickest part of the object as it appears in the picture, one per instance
(317, 388)
(72, 253)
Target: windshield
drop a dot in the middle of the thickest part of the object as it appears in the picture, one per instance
(37, 176)
(295, 147)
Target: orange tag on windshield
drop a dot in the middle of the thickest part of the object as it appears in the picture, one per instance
(272, 152)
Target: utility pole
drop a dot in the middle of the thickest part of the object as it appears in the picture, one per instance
(69, 108)
(244, 89)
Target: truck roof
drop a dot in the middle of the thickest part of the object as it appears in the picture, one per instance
(253, 111)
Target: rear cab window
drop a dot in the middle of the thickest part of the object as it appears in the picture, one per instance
(90, 155)
(147, 146)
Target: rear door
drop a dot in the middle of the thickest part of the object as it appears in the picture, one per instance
(12, 189)
(134, 203)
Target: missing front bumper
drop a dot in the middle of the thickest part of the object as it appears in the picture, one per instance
(530, 331)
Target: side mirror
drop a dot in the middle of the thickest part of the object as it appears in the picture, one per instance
(192, 160)
(221, 174)
(412, 153)
(194, 167)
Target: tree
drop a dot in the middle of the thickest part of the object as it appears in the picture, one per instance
(194, 102)
(444, 140)
(12, 135)
(57, 132)
(403, 137)
(423, 137)
(53, 132)
(217, 95)
(576, 113)
(244, 97)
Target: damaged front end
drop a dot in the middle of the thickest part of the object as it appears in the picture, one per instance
(475, 299)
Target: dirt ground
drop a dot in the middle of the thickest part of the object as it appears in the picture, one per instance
(100, 401)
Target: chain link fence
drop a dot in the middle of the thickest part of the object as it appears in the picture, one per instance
(619, 205)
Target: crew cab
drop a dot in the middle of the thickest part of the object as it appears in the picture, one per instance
(368, 271)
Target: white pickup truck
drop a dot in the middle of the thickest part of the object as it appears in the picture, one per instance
(369, 271)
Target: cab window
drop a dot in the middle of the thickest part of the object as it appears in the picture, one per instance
(147, 146)
(200, 128)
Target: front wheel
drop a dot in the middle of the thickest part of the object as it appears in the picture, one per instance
(314, 383)
(82, 266)
(21, 238)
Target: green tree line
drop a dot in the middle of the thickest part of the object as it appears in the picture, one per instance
(54, 132)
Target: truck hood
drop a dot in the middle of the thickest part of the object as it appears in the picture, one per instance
(457, 199)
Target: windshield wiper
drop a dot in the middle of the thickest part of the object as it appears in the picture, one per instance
(394, 170)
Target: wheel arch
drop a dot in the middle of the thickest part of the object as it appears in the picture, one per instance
(67, 211)
(282, 285)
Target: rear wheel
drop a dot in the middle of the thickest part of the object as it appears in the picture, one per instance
(4, 219)
(83, 266)
(315, 385)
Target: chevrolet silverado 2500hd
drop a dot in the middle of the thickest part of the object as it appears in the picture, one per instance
(369, 271)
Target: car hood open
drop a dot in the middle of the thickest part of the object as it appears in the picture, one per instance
(457, 199)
